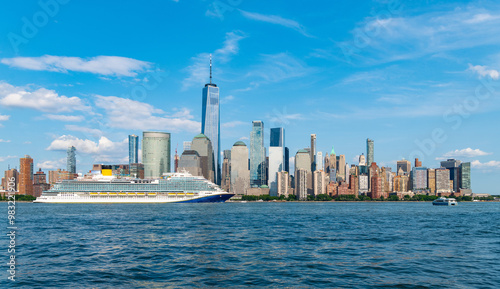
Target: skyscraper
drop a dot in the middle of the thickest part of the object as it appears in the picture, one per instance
(155, 153)
(26, 176)
(369, 152)
(419, 179)
(202, 144)
(133, 149)
(276, 158)
(453, 166)
(313, 152)
(240, 175)
(257, 155)
(210, 120)
(71, 160)
(465, 182)
(404, 165)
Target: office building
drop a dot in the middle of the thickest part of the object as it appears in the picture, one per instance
(319, 161)
(287, 159)
(71, 160)
(453, 166)
(313, 152)
(301, 183)
(210, 121)
(283, 183)
(226, 171)
(341, 165)
(26, 176)
(186, 146)
(257, 155)
(465, 182)
(190, 161)
(319, 183)
(431, 180)
(240, 174)
(370, 151)
(133, 149)
(155, 153)
(419, 179)
(203, 146)
(442, 181)
(405, 167)
(276, 158)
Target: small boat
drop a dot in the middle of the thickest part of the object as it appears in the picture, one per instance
(445, 202)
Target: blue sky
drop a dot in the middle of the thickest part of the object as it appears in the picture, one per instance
(420, 78)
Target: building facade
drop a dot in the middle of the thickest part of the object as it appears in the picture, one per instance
(276, 158)
(203, 146)
(71, 160)
(155, 153)
(26, 176)
(240, 174)
(257, 155)
(370, 152)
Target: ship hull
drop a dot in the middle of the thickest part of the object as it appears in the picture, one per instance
(217, 198)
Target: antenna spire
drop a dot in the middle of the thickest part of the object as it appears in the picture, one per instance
(210, 68)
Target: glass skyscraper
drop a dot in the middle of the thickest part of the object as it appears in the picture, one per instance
(133, 149)
(369, 152)
(155, 153)
(276, 158)
(257, 155)
(210, 120)
(71, 160)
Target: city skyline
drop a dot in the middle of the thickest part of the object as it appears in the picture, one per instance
(406, 102)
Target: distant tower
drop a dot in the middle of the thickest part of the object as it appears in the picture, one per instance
(176, 160)
(369, 152)
(276, 158)
(133, 149)
(26, 176)
(240, 175)
(313, 152)
(210, 120)
(257, 155)
(71, 160)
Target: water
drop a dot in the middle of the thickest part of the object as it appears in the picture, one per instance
(299, 245)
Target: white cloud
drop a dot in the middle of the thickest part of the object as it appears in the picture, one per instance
(199, 70)
(2, 140)
(3, 159)
(275, 19)
(40, 99)
(488, 165)
(130, 114)
(482, 17)
(52, 165)
(4, 117)
(484, 71)
(68, 118)
(468, 153)
(103, 65)
(227, 99)
(104, 150)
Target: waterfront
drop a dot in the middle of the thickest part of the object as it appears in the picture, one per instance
(355, 245)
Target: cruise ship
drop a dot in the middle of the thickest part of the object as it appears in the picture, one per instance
(171, 188)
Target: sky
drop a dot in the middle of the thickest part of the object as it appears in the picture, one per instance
(420, 78)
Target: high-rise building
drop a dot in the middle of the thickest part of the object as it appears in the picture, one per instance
(11, 174)
(319, 183)
(71, 160)
(301, 183)
(404, 165)
(186, 146)
(465, 180)
(40, 183)
(370, 152)
(26, 176)
(453, 166)
(202, 144)
(303, 162)
(210, 120)
(376, 187)
(313, 152)
(319, 161)
(190, 161)
(417, 163)
(136, 170)
(373, 170)
(431, 180)
(276, 158)
(419, 179)
(341, 172)
(283, 183)
(257, 155)
(155, 153)
(226, 171)
(240, 174)
(287, 160)
(442, 181)
(133, 149)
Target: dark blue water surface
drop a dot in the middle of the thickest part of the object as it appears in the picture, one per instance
(296, 245)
